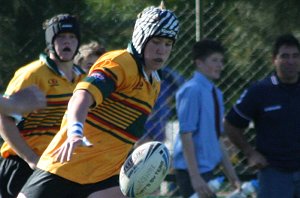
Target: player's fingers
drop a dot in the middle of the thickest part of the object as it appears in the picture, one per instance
(64, 153)
(70, 152)
(57, 154)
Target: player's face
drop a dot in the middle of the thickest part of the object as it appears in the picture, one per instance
(88, 61)
(156, 53)
(65, 45)
(287, 63)
(212, 66)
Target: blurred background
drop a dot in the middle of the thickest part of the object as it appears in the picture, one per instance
(247, 29)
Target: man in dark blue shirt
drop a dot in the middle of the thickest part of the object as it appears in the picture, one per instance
(273, 104)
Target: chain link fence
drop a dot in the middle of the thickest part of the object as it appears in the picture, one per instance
(248, 57)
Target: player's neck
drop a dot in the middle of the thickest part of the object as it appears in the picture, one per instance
(66, 68)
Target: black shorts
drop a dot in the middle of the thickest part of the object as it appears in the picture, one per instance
(14, 172)
(48, 185)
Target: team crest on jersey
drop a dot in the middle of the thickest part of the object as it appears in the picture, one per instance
(53, 82)
(139, 85)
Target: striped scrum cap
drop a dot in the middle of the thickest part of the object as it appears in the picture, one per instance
(154, 21)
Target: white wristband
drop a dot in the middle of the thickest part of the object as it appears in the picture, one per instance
(76, 129)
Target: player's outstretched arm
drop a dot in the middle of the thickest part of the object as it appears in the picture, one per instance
(23, 101)
(77, 112)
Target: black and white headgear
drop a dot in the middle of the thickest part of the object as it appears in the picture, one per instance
(59, 24)
(154, 21)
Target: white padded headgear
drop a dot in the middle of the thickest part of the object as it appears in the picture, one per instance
(154, 21)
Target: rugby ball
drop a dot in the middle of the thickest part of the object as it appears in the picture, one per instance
(145, 169)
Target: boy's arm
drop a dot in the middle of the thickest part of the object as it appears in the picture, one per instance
(189, 151)
(10, 133)
(78, 108)
(228, 167)
(23, 101)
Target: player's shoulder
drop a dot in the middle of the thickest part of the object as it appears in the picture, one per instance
(188, 89)
(32, 67)
(264, 83)
(119, 60)
(119, 56)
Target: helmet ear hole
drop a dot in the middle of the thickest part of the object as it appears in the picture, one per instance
(151, 22)
(59, 24)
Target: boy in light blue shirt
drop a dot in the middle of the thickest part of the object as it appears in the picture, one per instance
(198, 150)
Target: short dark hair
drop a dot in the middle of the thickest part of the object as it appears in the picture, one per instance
(285, 39)
(204, 48)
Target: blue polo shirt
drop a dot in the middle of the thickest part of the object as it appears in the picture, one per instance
(195, 110)
(274, 108)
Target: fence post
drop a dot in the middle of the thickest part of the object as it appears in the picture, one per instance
(199, 19)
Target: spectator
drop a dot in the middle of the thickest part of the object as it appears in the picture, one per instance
(56, 75)
(198, 150)
(110, 108)
(88, 54)
(273, 105)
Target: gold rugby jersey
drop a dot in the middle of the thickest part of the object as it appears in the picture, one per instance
(123, 100)
(38, 128)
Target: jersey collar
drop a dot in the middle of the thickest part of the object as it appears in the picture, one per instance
(276, 81)
(52, 65)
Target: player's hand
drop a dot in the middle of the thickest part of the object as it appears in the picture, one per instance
(256, 160)
(65, 151)
(201, 187)
(28, 100)
(236, 184)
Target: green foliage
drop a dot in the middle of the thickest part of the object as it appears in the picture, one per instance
(241, 25)
(22, 36)
(21, 33)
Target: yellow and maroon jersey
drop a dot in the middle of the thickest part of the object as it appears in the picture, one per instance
(123, 98)
(38, 128)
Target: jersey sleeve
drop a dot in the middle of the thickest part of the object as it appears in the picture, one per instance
(244, 110)
(187, 105)
(106, 76)
(21, 80)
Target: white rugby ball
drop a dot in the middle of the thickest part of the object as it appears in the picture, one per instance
(145, 169)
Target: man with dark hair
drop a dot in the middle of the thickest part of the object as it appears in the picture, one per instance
(56, 76)
(273, 105)
(199, 103)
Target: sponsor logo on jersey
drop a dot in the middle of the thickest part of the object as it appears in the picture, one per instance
(98, 75)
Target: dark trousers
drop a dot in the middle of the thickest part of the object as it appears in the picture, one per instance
(184, 183)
